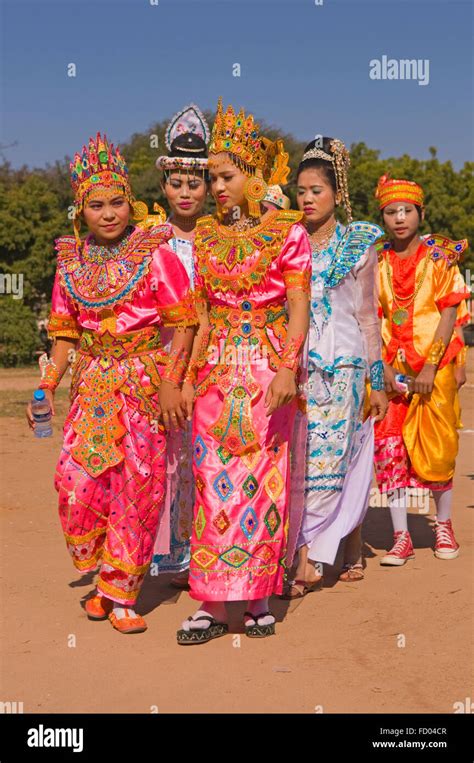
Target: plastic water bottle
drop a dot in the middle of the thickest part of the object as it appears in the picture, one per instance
(404, 382)
(41, 411)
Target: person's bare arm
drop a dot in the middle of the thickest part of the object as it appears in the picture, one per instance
(170, 396)
(283, 389)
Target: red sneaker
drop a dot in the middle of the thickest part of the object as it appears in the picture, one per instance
(446, 546)
(402, 550)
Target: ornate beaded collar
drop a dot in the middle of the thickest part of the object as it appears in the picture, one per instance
(100, 253)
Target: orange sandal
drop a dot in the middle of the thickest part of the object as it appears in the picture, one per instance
(98, 607)
(128, 624)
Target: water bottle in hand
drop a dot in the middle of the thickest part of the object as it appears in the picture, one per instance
(404, 383)
(41, 411)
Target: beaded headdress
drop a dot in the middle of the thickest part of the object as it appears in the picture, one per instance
(389, 190)
(258, 157)
(340, 160)
(276, 196)
(99, 168)
(187, 122)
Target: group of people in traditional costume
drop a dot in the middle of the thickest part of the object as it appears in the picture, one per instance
(236, 375)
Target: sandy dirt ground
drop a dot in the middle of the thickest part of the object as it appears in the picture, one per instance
(400, 641)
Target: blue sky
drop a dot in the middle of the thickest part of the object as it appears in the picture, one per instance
(304, 68)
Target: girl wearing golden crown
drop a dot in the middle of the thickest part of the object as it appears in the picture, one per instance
(421, 297)
(185, 185)
(344, 349)
(252, 287)
(111, 294)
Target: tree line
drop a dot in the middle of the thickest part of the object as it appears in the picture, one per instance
(35, 209)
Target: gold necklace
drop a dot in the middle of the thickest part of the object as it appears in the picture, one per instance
(400, 315)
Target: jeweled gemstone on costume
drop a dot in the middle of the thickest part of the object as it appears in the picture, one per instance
(223, 486)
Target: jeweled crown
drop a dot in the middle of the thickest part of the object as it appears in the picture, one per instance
(238, 134)
(101, 165)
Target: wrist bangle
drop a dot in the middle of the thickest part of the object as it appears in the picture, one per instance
(461, 356)
(50, 376)
(377, 376)
(436, 352)
(190, 377)
(175, 367)
(290, 355)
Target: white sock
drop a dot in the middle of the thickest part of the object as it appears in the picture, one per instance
(256, 606)
(443, 500)
(397, 502)
(215, 609)
(120, 611)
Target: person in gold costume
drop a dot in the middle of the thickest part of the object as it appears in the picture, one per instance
(421, 293)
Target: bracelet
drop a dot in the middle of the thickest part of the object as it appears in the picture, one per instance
(290, 355)
(50, 376)
(436, 352)
(190, 377)
(377, 376)
(175, 367)
(461, 356)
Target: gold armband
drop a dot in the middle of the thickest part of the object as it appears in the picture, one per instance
(436, 352)
(461, 356)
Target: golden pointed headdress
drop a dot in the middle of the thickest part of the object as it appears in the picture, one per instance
(239, 136)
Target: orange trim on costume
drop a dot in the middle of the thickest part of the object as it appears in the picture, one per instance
(452, 350)
(63, 325)
(452, 300)
(463, 320)
(180, 313)
(297, 279)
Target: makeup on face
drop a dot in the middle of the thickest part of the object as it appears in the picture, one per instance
(227, 182)
(107, 218)
(185, 193)
(315, 195)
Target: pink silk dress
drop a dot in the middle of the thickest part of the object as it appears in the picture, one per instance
(111, 473)
(241, 457)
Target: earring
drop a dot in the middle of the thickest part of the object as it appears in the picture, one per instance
(139, 210)
(254, 190)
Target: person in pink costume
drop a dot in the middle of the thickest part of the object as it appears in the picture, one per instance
(112, 293)
(252, 296)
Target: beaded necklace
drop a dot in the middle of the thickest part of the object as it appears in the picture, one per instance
(321, 237)
(100, 253)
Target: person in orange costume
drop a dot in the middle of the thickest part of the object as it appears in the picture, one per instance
(420, 291)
